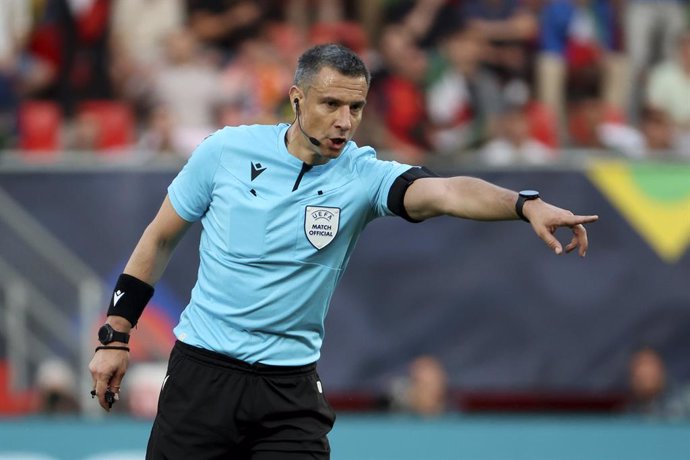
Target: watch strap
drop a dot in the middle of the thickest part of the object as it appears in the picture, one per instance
(120, 336)
(107, 334)
(520, 203)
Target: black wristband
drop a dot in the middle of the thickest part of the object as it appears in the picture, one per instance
(130, 297)
(108, 347)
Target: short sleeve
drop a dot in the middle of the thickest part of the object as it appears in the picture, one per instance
(191, 191)
(377, 176)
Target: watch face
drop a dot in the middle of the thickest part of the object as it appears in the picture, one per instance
(529, 194)
(105, 334)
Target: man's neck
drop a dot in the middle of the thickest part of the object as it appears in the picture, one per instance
(299, 147)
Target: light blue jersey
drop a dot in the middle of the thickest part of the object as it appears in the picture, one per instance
(276, 238)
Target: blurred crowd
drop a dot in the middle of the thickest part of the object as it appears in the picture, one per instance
(507, 81)
(422, 389)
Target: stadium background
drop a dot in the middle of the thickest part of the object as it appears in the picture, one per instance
(536, 347)
(518, 329)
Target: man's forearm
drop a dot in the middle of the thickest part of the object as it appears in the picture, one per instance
(150, 257)
(146, 264)
(473, 198)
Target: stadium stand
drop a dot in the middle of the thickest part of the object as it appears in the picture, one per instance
(11, 402)
(113, 122)
(39, 127)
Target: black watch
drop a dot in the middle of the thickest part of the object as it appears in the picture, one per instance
(106, 335)
(523, 196)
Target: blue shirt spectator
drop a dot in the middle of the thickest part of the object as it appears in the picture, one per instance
(566, 21)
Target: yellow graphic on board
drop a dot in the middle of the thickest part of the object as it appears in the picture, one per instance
(663, 221)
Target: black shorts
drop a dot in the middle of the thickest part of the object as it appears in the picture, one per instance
(215, 407)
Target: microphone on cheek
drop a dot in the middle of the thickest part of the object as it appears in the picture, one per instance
(315, 142)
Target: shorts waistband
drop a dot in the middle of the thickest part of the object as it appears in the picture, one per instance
(219, 359)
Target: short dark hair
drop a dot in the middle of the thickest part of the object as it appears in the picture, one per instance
(333, 55)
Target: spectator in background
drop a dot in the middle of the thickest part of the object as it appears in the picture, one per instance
(653, 139)
(651, 28)
(657, 131)
(592, 123)
(160, 137)
(423, 391)
(668, 91)
(15, 18)
(14, 27)
(22, 74)
(187, 84)
(399, 123)
(652, 392)
(254, 83)
(353, 23)
(462, 96)
(56, 385)
(304, 13)
(426, 21)
(83, 133)
(74, 36)
(513, 141)
(510, 28)
(139, 30)
(577, 44)
(223, 24)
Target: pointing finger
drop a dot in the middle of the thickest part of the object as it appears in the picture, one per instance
(579, 220)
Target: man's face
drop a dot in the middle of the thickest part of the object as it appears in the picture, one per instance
(647, 375)
(331, 109)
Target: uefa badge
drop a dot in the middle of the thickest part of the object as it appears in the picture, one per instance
(321, 225)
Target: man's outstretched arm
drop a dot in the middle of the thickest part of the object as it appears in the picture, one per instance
(473, 198)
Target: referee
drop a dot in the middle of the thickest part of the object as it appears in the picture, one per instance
(281, 207)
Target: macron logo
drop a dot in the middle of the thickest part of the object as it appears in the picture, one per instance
(257, 169)
(117, 295)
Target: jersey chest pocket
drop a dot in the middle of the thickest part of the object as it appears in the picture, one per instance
(246, 221)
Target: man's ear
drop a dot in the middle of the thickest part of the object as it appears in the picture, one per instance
(296, 95)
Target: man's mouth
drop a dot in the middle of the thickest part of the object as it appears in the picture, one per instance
(338, 142)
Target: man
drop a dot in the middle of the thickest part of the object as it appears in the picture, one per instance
(667, 87)
(281, 208)
(653, 392)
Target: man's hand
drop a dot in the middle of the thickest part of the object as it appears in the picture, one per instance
(107, 369)
(546, 219)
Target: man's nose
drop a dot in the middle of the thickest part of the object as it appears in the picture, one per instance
(343, 120)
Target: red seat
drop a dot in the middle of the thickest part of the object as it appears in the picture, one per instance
(114, 122)
(543, 124)
(39, 127)
(584, 119)
(13, 402)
